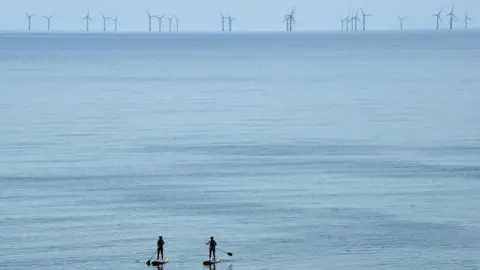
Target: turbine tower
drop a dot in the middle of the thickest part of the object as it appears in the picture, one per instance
(88, 19)
(343, 23)
(439, 18)
(401, 22)
(286, 20)
(105, 22)
(160, 21)
(466, 20)
(365, 19)
(230, 20)
(48, 18)
(115, 20)
(29, 20)
(347, 22)
(290, 19)
(353, 22)
(149, 21)
(176, 22)
(170, 23)
(452, 17)
(356, 20)
(223, 22)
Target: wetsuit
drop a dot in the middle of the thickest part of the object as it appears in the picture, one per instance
(211, 250)
(160, 244)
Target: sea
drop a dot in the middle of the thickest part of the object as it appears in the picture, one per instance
(294, 150)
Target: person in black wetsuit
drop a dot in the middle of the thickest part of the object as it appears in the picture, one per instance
(211, 250)
(160, 244)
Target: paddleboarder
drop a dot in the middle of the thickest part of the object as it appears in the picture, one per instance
(160, 244)
(211, 250)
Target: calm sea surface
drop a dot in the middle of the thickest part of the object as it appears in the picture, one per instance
(301, 151)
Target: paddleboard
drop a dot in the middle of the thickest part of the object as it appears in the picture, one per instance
(157, 263)
(211, 262)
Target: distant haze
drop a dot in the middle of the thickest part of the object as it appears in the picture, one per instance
(252, 15)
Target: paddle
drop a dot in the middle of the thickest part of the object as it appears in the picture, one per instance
(228, 253)
(148, 262)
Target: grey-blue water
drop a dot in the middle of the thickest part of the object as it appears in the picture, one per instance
(302, 151)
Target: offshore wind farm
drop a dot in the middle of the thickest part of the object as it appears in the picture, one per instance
(356, 20)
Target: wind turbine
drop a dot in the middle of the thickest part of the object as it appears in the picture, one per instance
(48, 21)
(29, 20)
(88, 19)
(466, 20)
(353, 21)
(291, 18)
(223, 22)
(365, 19)
(149, 21)
(343, 23)
(439, 18)
(356, 20)
(347, 21)
(452, 16)
(170, 23)
(160, 20)
(176, 22)
(115, 20)
(230, 20)
(286, 20)
(104, 22)
(401, 22)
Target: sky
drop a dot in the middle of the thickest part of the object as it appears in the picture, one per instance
(251, 15)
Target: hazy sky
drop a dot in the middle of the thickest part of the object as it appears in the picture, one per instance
(255, 15)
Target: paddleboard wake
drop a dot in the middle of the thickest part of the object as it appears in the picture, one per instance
(212, 262)
(157, 263)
